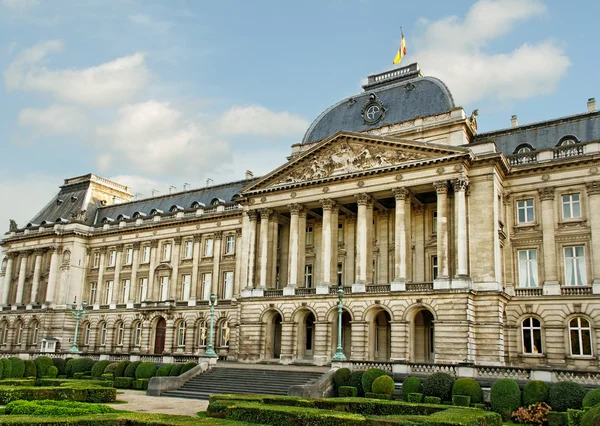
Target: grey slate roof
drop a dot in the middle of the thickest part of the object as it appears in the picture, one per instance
(404, 100)
(545, 134)
(225, 192)
(70, 199)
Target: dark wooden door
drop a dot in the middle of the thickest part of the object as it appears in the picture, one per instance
(159, 338)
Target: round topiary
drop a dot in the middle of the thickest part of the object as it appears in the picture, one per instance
(175, 370)
(121, 366)
(356, 381)
(98, 368)
(60, 364)
(369, 377)
(7, 366)
(187, 366)
(30, 370)
(81, 365)
(591, 398)
(18, 367)
(564, 395)
(440, 385)
(534, 392)
(468, 387)
(52, 372)
(111, 368)
(69, 367)
(145, 370)
(505, 397)
(164, 370)
(130, 369)
(383, 385)
(1, 370)
(42, 363)
(411, 385)
(341, 377)
(591, 417)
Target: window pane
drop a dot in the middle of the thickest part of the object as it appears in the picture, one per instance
(527, 342)
(586, 340)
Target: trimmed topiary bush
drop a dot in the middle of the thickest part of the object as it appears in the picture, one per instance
(98, 368)
(69, 367)
(80, 365)
(461, 400)
(18, 367)
(130, 369)
(415, 397)
(141, 384)
(505, 397)
(73, 393)
(432, 400)
(341, 377)
(175, 370)
(164, 370)
(535, 391)
(356, 381)
(369, 377)
(145, 370)
(468, 387)
(591, 417)
(52, 372)
(556, 418)
(111, 368)
(42, 363)
(55, 408)
(347, 391)
(187, 366)
(377, 395)
(7, 366)
(60, 364)
(383, 385)
(574, 417)
(107, 377)
(123, 382)
(591, 398)
(1, 369)
(30, 370)
(440, 385)
(564, 395)
(120, 370)
(411, 385)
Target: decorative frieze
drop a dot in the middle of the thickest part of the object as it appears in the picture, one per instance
(546, 194)
(593, 188)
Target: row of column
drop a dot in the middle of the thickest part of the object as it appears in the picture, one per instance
(23, 256)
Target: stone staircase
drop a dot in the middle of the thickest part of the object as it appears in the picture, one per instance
(257, 380)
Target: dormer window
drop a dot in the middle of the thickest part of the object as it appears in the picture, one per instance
(138, 215)
(567, 140)
(175, 208)
(197, 205)
(122, 217)
(216, 201)
(59, 202)
(73, 198)
(31, 225)
(107, 220)
(236, 197)
(62, 220)
(154, 212)
(524, 148)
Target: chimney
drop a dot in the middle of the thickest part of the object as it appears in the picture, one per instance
(591, 104)
(249, 174)
(513, 121)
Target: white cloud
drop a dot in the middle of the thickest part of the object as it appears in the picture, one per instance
(152, 23)
(20, 4)
(55, 119)
(454, 50)
(109, 83)
(260, 121)
(141, 186)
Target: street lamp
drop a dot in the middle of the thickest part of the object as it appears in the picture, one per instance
(339, 353)
(78, 314)
(210, 351)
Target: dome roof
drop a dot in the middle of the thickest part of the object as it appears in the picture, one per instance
(392, 97)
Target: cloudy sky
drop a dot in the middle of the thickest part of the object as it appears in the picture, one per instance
(160, 93)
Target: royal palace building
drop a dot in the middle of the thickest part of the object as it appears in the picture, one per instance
(451, 246)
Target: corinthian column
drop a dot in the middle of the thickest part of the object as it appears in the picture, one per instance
(264, 246)
(460, 188)
(53, 272)
(400, 257)
(593, 190)
(364, 244)
(37, 272)
(252, 216)
(441, 188)
(294, 246)
(327, 245)
(551, 285)
(7, 278)
(22, 276)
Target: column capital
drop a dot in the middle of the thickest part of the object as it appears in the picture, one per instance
(265, 213)
(441, 187)
(119, 248)
(25, 253)
(364, 199)
(137, 245)
(252, 215)
(401, 194)
(328, 204)
(103, 249)
(40, 251)
(295, 208)
(197, 238)
(238, 232)
(153, 243)
(177, 240)
(11, 255)
(593, 188)
(460, 184)
(546, 194)
(507, 197)
(218, 235)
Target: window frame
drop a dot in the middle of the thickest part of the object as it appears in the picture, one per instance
(310, 240)
(163, 287)
(528, 265)
(186, 280)
(146, 254)
(580, 274)
(209, 247)
(308, 275)
(143, 288)
(579, 330)
(188, 249)
(128, 256)
(230, 244)
(112, 258)
(525, 208)
(228, 277)
(109, 289)
(571, 203)
(120, 334)
(532, 328)
(181, 334)
(206, 286)
(166, 252)
(96, 259)
(126, 287)
(93, 292)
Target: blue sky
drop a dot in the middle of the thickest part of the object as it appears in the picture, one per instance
(158, 93)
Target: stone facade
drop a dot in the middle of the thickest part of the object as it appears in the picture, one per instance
(448, 249)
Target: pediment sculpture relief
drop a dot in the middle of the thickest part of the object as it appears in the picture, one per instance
(347, 157)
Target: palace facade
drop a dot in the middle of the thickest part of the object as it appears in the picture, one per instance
(451, 246)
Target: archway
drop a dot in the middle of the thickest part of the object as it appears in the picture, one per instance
(159, 336)
(380, 336)
(309, 336)
(346, 333)
(273, 335)
(423, 336)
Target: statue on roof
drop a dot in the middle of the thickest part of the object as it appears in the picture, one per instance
(79, 216)
(12, 227)
(473, 118)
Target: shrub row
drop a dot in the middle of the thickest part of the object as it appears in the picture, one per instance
(114, 419)
(73, 393)
(55, 408)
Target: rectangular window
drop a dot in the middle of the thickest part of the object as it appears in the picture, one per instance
(186, 285)
(137, 338)
(308, 276)
(309, 236)
(227, 284)
(143, 292)
(575, 273)
(164, 288)
(112, 257)
(528, 269)
(230, 244)
(434, 267)
(128, 256)
(126, 285)
(340, 274)
(206, 285)
(93, 291)
(146, 254)
(166, 252)
(96, 261)
(108, 292)
(208, 247)
(188, 249)
(571, 206)
(525, 211)
(434, 222)
(340, 233)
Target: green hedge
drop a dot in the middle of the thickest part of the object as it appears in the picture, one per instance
(461, 400)
(17, 382)
(111, 368)
(591, 417)
(55, 408)
(99, 367)
(356, 381)
(108, 377)
(591, 398)
(347, 391)
(416, 397)
(556, 418)
(145, 370)
(141, 384)
(505, 397)
(535, 391)
(565, 395)
(383, 385)
(369, 377)
(574, 417)
(60, 364)
(82, 394)
(130, 369)
(341, 377)
(164, 370)
(114, 419)
(124, 382)
(51, 372)
(120, 370)
(468, 387)
(79, 365)
(378, 395)
(6, 368)
(45, 381)
(432, 400)
(411, 385)
(440, 385)
(187, 366)
(30, 369)
(176, 370)
(17, 367)
(42, 363)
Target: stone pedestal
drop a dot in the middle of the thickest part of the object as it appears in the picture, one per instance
(359, 288)
(551, 288)
(322, 289)
(289, 290)
(441, 284)
(247, 292)
(399, 285)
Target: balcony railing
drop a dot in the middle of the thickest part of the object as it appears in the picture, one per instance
(378, 288)
(568, 151)
(273, 293)
(525, 158)
(347, 289)
(528, 291)
(579, 290)
(301, 291)
(427, 286)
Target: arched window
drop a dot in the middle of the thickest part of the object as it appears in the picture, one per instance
(197, 205)
(532, 336)
(580, 337)
(567, 140)
(216, 201)
(523, 149)
(155, 212)
(120, 332)
(35, 330)
(107, 220)
(18, 333)
(175, 208)
(4, 333)
(102, 337)
(87, 331)
(138, 215)
(224, 334)
(137, 335)
(202, 334)
(122, 217)
(181, 329)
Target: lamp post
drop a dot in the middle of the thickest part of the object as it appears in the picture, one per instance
(339, 352)
(210, 351)
(78, 314)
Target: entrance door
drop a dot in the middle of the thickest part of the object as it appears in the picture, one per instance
(277, 336)
(423, 337)
(310, 336)
(159, 337)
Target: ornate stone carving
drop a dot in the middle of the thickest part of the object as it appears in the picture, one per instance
(294, 208)
(103, 249)
(238, 232)
(177, 240)
(154, 243)
(328, 204)
(593, 188)
(12, 225)
(400, 194)
(364, 199)
(546, 194)
(265, 213)
(42, 251)
(218, 235)
(137, 245)
(441, 187)
(79, 216)
(460, 184)
(197, 238)
(120, 248)
(252, 215)
(348, 157)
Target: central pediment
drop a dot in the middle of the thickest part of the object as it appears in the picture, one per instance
(348, 154)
